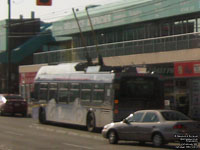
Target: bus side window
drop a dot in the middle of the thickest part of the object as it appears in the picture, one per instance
(43, 92)
(63, 93)
(86, 90)
(53, 91)
(98, 93)
(108, 91)
(74, 92)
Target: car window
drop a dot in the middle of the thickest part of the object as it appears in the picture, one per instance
(136, 117)
(16, 97)
(173, 116)
(150, 117)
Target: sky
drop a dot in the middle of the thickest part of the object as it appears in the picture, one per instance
(58, 9)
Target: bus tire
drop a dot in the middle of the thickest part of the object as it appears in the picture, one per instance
(91, 123)
(42, 115)
(24, 114)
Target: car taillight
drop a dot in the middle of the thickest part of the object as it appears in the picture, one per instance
(179, 126)
(23, 103)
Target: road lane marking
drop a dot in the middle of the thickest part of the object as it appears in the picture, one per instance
(14, 133)
(78, 146)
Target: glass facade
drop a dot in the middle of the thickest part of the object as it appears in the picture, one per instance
(176, 33)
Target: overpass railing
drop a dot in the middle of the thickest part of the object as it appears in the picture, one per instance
(150, 45)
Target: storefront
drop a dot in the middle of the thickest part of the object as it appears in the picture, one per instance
(26, 84)
(181, 85)
(187, 91)
(166, 73)
(27, 75)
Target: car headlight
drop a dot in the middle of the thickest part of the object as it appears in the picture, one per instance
(4, 99)
(108, 125)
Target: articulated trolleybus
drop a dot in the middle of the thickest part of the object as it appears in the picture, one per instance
(93, 97)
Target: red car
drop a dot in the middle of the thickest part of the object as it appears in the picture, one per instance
(12, 104)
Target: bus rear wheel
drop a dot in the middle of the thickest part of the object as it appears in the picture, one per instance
(42, 116)
(91, 122)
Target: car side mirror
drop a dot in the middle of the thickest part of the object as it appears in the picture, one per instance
(126, 121)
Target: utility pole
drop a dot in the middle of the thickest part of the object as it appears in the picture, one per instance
(9, 49)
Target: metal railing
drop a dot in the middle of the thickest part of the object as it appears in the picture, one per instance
(150, 45)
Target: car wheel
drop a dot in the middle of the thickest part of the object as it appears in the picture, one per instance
(91, 122)
(157, 140)
(24, 114)
(1, 113)
(42, 116)
(112, 137)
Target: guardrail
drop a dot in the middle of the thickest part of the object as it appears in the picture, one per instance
(150, 45)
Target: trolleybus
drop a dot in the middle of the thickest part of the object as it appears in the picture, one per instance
(93, 98)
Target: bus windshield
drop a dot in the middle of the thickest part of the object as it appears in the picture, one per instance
(137, 87)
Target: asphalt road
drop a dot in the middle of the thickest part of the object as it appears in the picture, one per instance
(17, 133)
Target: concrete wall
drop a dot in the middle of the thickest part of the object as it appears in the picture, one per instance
(154, 58)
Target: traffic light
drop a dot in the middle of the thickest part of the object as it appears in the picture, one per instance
(44, 2)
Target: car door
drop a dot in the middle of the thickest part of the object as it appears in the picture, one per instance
(129, 131)
(148, 124)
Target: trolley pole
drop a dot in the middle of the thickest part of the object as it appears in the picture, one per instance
(100, 59)
(89, 60)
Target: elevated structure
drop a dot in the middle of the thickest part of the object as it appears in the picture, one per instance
(123, 13)
(162, 34)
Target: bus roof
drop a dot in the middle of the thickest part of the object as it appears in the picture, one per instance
(67, 71)
(57, 69)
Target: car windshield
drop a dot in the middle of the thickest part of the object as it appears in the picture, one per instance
(136, 117)
(173, 116)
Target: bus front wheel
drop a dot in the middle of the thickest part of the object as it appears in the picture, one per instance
(42, 115)
(91, 122)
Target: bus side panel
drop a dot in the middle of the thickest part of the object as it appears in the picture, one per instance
(106, 117)
(106, 110)
(72, 113)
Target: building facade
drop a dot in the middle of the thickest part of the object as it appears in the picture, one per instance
(163, 35)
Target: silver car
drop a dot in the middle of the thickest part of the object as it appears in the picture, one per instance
(156, 126)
